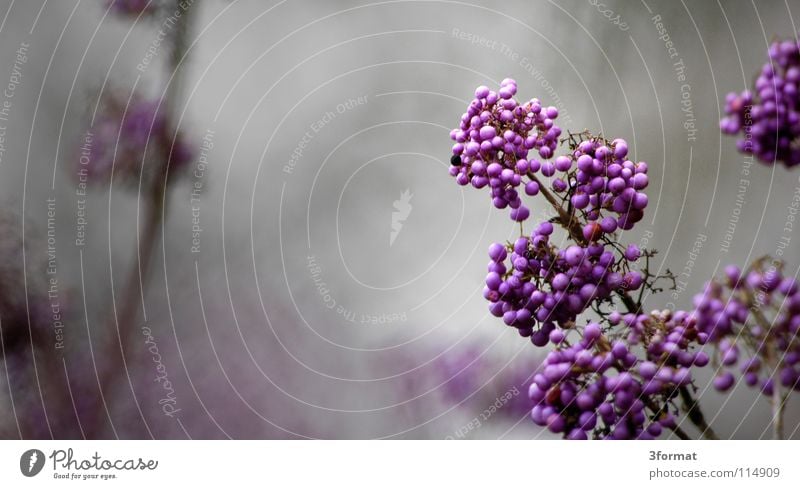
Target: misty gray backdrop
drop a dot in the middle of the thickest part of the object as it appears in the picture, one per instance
(301, 316)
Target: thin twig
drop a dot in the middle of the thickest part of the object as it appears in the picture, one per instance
(566, 220)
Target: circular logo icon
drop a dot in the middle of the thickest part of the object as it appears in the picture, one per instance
(31, 462)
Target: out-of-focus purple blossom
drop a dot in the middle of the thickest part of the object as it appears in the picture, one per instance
(476, 381)
(15, 311)
(134, 7)
(26, 332)
(126, 136)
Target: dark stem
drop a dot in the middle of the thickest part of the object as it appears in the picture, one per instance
(629, 303)
(564, 218)
(695, 415)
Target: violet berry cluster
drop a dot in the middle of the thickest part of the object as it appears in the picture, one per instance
(626, 375)
(623, 388)
(531, 283)
(603, 185)
(498, 142)
(546, 286)
(768, 117)
(752, 320)
(622, 375)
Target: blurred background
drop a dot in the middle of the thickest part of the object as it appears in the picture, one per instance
(315, 272)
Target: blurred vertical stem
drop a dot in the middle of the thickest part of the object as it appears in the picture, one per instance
(153, 195)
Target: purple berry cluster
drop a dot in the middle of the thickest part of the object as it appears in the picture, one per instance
(592, 387)
(541, 289)
(122, 134)
(752, 319)
(494, 143)
(769, 117)
(603, 185)
(625, 375)
(547, 286)
(618, 389)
